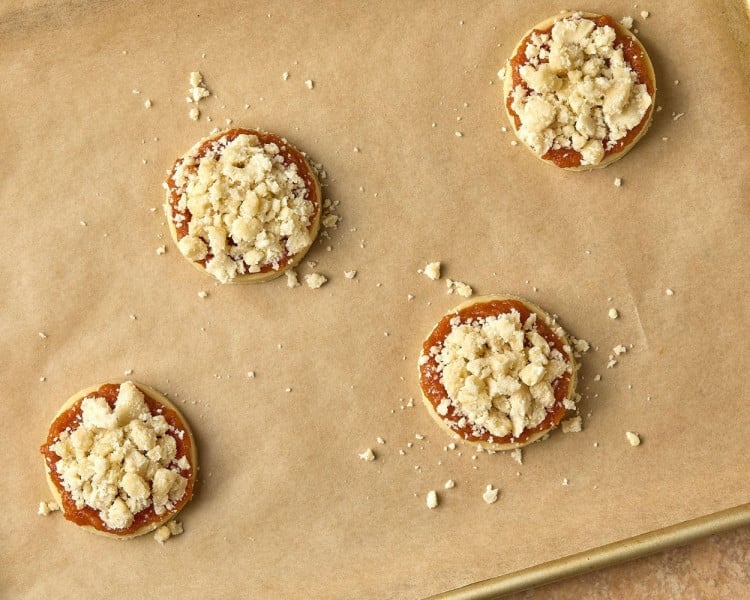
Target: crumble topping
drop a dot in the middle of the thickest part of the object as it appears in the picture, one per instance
(498, 373)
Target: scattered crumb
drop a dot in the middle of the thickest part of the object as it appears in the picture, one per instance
(315, 280)
(597, 377)
(565, 481)
(350, 274)
(644, 14)
(170, 530)
(42, 335)
(45, 508)
(633, 438)
(459, 134)
(147, 103)
(161, 250)
(368, 455)
(678, 116)
(459, 288)
(572, 425)
(309, 84)
(285, 75)
(291, 279)
(410, 297)
(669, 292)
(450, 484)
(128, 373)
(490, 494)
(380, 440)
(677, 82)
(251, 374)
(580, 346)
(330, 221)
(620, 349)
(517, 455)
(432, 499)
(618, 182)
(203, 294)
(197, 90)
(514, 143)
(627, 22)
(431, 270)
(613, 314)
(196, 93)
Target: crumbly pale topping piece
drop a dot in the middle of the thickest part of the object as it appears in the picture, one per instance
(459, 288)
(571, 425)
(431, 270)
(248, 208)
(368, 455)
(315, 280)
(47, 508)
(498, 373)
(490, 494)
(633, 438)
(579, 93)
(167, 531)
(432, 499)
(121, 461)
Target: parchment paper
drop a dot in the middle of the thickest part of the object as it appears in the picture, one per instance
(285, 507)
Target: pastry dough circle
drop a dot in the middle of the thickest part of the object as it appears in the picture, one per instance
(650, 76)
(314, 196)
(158, 520)
(567, 353)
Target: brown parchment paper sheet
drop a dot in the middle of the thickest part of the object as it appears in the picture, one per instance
(285, 508)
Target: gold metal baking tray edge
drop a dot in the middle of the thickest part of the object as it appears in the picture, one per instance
(603, 556)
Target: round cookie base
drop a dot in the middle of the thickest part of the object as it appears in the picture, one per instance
(193, 458)
(259, 277)
(537, 435)
(508, 88)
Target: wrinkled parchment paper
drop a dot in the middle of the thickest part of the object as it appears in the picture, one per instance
(285, 507)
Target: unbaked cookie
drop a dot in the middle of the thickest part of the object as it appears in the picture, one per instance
(498, 371)
(579, 90)
(120, 459)
(243, 205)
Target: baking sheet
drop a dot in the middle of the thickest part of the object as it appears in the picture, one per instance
(284, 503)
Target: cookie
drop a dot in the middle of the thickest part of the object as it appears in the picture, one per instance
(579, 90)
(243, 205)
(498, 371)
(120, 459)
